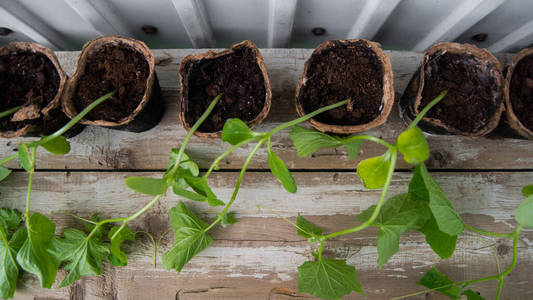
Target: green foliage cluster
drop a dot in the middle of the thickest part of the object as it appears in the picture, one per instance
(28, 242)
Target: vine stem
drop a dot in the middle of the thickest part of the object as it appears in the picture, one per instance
(489, 233)
(499, 277)
(170, 174)
(30, 181)
(76, 119)
(9, 158)
(370, 138)
(427, 108)
(374, 215)
(9, 111)
(228, 152)
(237, 185)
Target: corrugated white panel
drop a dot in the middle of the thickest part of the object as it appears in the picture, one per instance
(397, 24)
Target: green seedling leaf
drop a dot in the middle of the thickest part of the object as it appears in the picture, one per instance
(102, 229)
(84, 255)
(228, 219)
(524, 213)
(4, 172)
(413, 145)
(280, 171)
(307, 229)
(200, 186)
(57, 146)
(236, 131)
(353, 148)
(398, 215)
(9, 246)
(185, 164)
(435, 279)
(526, 191)
(10, 219)
(33, 256)
(328, 279)
(24, 156)
(442, 243)
(308, 141)
(117, 256)
(146, 185)
(472, 295)
(189, 237)
(425, 187)
(373, 171)
(188, 194)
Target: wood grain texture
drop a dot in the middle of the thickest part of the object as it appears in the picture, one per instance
(98, 148)
(259, 256)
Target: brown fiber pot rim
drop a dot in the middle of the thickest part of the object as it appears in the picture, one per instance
(388, 89)
(209, 55)
(512, 119)
(484, 57)
(56, 102)
(68, 103)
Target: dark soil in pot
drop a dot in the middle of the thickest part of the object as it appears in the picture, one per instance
(238, 73)
(30, 76)
(519, 94)
(473, 78)
(122, 65)
(338, 70)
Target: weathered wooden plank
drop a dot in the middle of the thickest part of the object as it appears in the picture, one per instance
(99, 148)
(494, 194)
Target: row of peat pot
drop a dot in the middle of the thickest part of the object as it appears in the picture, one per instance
(479, 91)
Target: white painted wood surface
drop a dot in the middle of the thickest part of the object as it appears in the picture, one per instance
(258, 257)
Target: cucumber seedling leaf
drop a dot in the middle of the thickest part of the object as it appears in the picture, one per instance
(228, 219)
(280, 171)
(200, 186)
(424, 186)
(328, 279)
(236, 131)
(189, 237)
(308, 141)
(24, 156)
(117, 256)
(307, 229)
(526, 191)
(353, 148)
(434, 279)
(413, 145)
(9, 246)
(442, 243)
(147, 185)
(57, 146)
(373, 171)
(473, 295)
(84, 255)
(33, 256)
(185, 164)
(4, 172)
(524, 213)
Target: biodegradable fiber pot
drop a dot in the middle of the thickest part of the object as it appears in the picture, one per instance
(473, 78)
(119, 64)
(31, 77)
(518, 94)
(238, 73)
(341, 69)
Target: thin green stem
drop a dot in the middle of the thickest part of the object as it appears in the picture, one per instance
(76, 119)
(322, 242)
(135, 215)
(374, 215)
(500, 288)
(193, 129)
(237, 185)
(370, 138)
(9, 111)
(306, 117)
(489, 233)
(82, 219)
(228, 152)
(9, 158)
(427, 108)
(30, 181)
